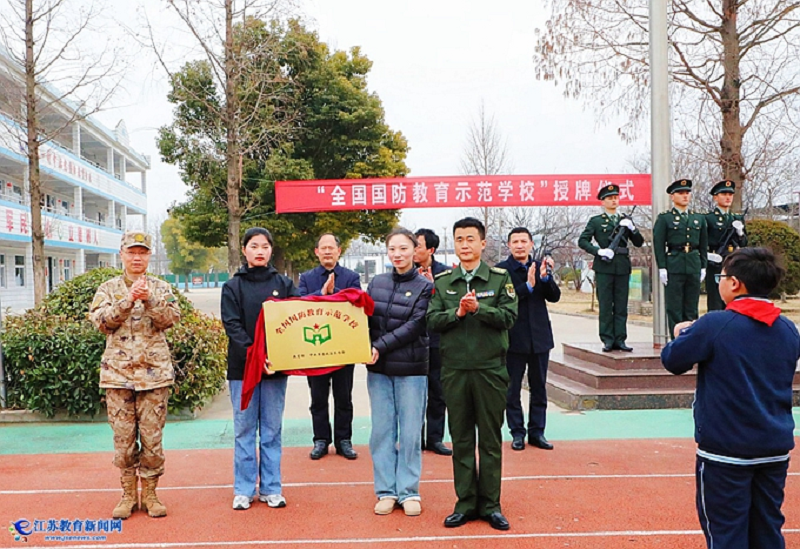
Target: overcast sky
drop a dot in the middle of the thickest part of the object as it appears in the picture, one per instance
(433, 64)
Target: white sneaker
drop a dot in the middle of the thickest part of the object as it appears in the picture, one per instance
(273, 500)
(240, 503)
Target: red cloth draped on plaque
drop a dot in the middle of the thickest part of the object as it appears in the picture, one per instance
(257, 352)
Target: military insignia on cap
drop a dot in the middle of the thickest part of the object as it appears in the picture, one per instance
(683, 182)
(727, 183)
(611, 187)
(139, 237)
(510, 290)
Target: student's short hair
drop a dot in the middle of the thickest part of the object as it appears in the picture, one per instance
(336, 238)
(254, 231)
(402, 231)
(431, 239)
(756, 268)
(470, 222)
(519, 230)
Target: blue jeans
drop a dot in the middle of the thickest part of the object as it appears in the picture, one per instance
(263, 416)
(397, 404)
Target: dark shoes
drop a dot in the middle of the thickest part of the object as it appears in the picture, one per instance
(623, 347)
(497, 521)
(540, 442)
(458, 519)
(439, 448)
(607, 347)
(345, 448)
(518, 443)
(320, 449)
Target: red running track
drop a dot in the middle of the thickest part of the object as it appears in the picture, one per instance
(584, 494)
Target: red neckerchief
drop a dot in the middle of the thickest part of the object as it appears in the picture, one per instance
(757, 308)
(257, 352)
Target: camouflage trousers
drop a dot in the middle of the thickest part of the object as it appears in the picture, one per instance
(138, 418)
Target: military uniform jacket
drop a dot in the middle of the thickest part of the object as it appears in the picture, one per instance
(479, 340)
(601, 229)
(673, 235)
(718, 223)
(137, 356)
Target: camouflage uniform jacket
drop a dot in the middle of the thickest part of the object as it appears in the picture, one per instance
(137, 356)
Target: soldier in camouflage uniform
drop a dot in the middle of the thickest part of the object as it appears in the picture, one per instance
(723, 225)
(136, 371)
(680, 243)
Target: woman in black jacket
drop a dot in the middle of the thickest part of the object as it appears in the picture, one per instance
(242, 297)
(397, 378)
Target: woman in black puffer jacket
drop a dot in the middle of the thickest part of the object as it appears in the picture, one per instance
(397, 379)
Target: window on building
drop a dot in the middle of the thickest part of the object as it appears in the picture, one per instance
(19, 270)
(2, 270)
(67, 269)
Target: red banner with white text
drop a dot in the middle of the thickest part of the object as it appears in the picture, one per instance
(456, 192)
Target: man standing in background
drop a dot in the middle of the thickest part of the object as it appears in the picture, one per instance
(427, 244)
(326, 279)
(530, 339)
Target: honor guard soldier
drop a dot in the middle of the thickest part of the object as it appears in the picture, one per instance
(680, 241)
(473, 307)
(726, 233)
(612, 266)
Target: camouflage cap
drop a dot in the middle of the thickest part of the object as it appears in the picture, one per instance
(132, 239)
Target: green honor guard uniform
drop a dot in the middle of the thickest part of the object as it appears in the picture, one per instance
(680, 242)
(726, 233)
(473, 307)
(612, 266)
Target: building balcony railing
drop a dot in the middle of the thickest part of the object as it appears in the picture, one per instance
(63, 162)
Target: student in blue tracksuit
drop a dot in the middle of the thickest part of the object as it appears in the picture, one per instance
(746, 356)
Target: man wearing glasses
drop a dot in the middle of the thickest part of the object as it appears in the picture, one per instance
(134, 311)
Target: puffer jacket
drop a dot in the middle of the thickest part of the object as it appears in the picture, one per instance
(240, 305)
(397, 327)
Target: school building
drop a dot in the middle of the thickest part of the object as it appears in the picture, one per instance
(92, 182)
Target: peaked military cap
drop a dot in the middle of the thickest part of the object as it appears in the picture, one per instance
(726, 186)
(680, 185)
(132, 239)
(608, 190)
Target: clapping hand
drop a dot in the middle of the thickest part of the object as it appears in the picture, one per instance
(328, 288)
(139, 290)
(426, 272)
(468, 304)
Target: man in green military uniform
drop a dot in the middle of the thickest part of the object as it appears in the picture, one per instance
(612, 266)
(680, 242)
(725, 234)
(473, 307)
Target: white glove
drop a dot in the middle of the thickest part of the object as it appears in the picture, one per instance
(739, 226)
(714, 258)
(605, 252)
(702, 275)
(662, 274)
(628, 224)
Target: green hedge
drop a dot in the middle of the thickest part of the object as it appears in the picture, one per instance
(785, 244)
(52, 353)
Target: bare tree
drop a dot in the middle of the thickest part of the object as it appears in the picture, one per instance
(64, 68)
(733, 63)
(242, 55)
(486, 153)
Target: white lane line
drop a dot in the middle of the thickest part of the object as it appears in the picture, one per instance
(359, 483)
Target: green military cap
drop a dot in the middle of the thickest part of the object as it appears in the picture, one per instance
(608, 190)
(726, 186)
(136, 238)
(680, 185)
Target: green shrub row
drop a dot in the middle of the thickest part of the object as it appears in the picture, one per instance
(52, 353)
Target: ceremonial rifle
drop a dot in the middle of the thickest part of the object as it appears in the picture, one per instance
(619, 232)
(730, 235)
